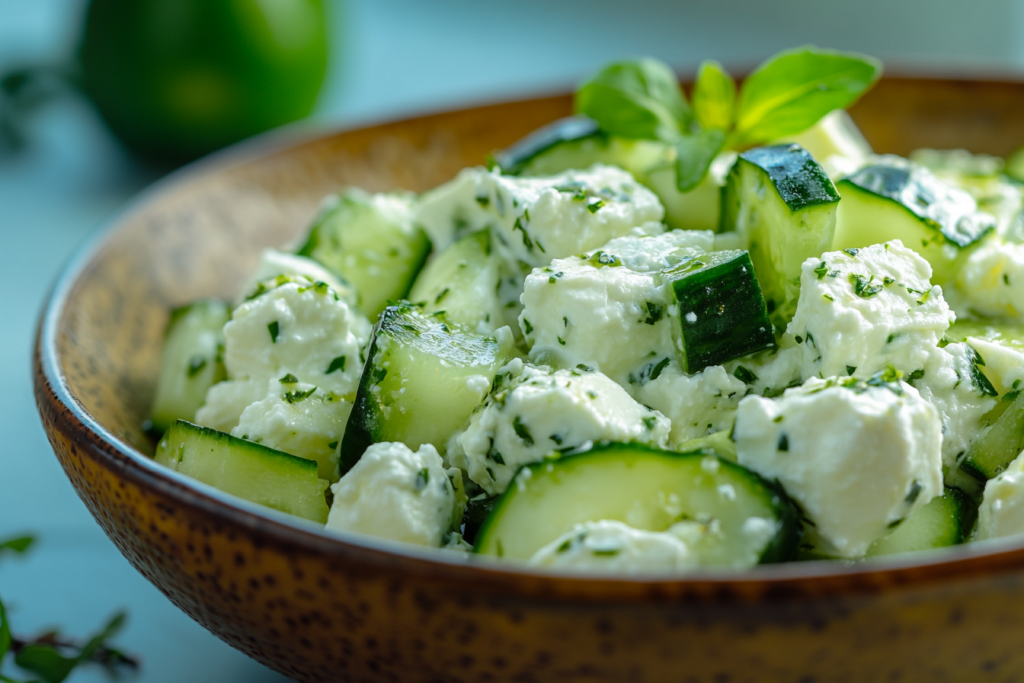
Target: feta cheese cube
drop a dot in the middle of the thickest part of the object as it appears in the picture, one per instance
(615, 547)
(299, 419)
(397, 494)
(533, 411)
(858, 457)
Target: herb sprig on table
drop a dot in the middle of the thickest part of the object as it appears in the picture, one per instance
(788, 93)
(49, 657)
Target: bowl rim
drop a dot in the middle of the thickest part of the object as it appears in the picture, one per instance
(794, 579)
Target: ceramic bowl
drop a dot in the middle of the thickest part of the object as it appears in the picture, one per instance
(318, 606)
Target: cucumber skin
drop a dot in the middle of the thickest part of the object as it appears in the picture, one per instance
(514, 159)
(735, 333)
(362, 424)
(796, 176)
(782, 548)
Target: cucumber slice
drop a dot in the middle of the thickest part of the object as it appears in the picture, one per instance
(370, 241)
(698, 209)
(943, 522)
(783, 202)
(648, 489)
(191, 361)
(722, 314)
(245, 469)
(463, 282)
(997, 447)
(576, 143)
(422, 380)
(894, 199)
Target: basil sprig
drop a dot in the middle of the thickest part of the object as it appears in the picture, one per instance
(785, 95)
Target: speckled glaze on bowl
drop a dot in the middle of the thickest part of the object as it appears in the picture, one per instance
(323, 607)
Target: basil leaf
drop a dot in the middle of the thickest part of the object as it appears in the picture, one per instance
(793, 90)
(714, 97)
(694, 154)
(636, 99)
(16, 545)
(5, 633)
(46, 662)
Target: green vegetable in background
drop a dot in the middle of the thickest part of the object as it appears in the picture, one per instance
(49, 657)
(176, 79)
(785, 95)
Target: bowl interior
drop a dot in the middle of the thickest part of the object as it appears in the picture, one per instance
(198, 234)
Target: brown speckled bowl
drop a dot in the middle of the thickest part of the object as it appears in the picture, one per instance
(325, 607)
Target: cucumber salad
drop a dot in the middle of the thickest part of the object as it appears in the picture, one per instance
(664, 334)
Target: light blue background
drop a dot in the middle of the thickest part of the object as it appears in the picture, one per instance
(396, 58)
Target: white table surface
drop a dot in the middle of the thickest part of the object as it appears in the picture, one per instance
(398, 58)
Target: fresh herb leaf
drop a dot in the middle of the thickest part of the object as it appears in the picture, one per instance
(791, 91)
(714, 97)
(337, 365)
(19, 544)
(298, 396)
(694, 154)
(422, 479)
(636, 99)
(275, 329)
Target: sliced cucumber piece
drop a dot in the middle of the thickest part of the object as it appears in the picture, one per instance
(463, 282)
(576, 142)
(371, 242)
(997, 447)
(650, 490)
(944, 521)
(698, 209)
(895, 199)
(835, 134)
(191, 361)
(783, 202)
(722, 314)
(245, 469)
(422, 380)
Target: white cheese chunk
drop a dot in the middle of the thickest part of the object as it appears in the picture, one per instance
(614, 547)
(225, 402)
(1001, 512)
(696, 404)
(861, 312)
(857, 458)
(991, 282)
(298, 328)
(274, 263)
(947, 382)
(397, 494)
(609, 309)
(537, 219)
(300, 419)
(535, 410)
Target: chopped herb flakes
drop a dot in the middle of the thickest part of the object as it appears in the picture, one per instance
(441, 295)
(527, 326)
(289, 379)
(863, 287)
(783, 443)
(655, 312)
(649, 422)
(422, 479)
(337, 365)
(744, 375)
(822, 270)
(298, 396)
(196, 365)
(522, 431)
(275, 329)
(594, 207)
(333, 445)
